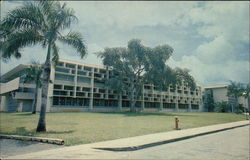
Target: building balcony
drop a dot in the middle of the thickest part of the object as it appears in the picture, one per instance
(23, 95)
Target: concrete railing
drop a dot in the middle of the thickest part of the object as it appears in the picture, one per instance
(9, 86)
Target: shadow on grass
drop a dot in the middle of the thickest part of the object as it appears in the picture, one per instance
(131, 114)
(23, 131)
(24, 114)
(58, 132)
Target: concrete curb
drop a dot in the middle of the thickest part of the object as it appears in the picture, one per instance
(134, 148)
(38, 139)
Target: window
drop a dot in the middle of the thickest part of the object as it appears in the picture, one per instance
(80, 94)
(83, 80)
(102, 71)
(64, 77)
(97, 95)
(64, 70)
(70, 65)
(98, 75)
(169, 105)
(87, 68)
(68, 87)
(81, 73)
(86, 89)
(57, 86)
(79, 67)
(63, 93)
(59, 64)
(102, 90)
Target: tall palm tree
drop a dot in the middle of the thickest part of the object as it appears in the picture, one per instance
(39, 22)
(34, 73)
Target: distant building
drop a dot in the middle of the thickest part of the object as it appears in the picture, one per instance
(219, 94)
(80, 87)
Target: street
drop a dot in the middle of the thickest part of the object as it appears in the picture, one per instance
(11, 147)
(230, 145)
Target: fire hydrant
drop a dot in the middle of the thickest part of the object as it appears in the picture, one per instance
(176, 123)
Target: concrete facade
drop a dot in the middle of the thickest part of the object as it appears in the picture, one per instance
(80, 87)
(220, 95)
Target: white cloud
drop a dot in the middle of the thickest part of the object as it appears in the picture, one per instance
(210, 38)
(216, 61)
(125, 14)
(227, 19)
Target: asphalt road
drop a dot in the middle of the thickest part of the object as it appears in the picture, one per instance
(10, 147)
(226, 145)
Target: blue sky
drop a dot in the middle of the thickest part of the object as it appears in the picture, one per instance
(209, 38)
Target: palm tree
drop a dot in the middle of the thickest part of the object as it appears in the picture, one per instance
(34, 73)
(235, 90)
(39, 22)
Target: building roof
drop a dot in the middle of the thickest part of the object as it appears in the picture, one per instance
(13, 72)
(213, 87)
(79, 63)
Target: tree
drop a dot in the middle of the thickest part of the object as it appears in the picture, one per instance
(39, 22)
(246, 94)
(136, 65)
(209, 100)
(235, 90)
(34, 73)
(183, 76)
(221, 107)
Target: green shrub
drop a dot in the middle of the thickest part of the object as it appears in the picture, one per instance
(241, 109)
(221, 107)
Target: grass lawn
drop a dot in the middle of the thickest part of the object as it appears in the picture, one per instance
(86, 127)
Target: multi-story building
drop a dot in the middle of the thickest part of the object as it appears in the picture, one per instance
(80, 87)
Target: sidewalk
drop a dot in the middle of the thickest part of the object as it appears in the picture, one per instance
(105, 150)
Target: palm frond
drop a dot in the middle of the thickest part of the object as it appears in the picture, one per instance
(15, 41)
(75, 40)
(64, 17)
(33, 74)
(28, 16)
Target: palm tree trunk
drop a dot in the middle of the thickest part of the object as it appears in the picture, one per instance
(35, 101)
(41, 127)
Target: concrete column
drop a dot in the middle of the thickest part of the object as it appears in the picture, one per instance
(20, 106)
(120, 102)
(92, 90)
(75, 80)
(200, 107)
(161, 102)
(176, 106)
(142, 102)
(176, 102)
(3, 103)
(106, 91)
(189, 107)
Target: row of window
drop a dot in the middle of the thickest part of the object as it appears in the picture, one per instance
(68, 101)
(80, 67)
